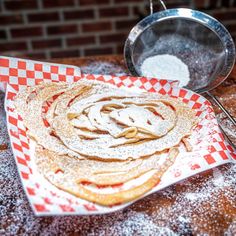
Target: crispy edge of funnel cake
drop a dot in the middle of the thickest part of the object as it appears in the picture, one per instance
(69, 181)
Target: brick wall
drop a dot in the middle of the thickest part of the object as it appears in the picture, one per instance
(70, 28)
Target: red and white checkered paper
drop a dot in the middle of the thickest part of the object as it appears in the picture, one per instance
(210, 149)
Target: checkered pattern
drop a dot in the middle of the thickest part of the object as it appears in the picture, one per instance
(20, 73)
(149, 84)
(210, 148)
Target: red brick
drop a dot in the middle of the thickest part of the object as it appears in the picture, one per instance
(43, 17)
(35, 55)
(110, 38)
(226, 3)
(125, 24)
(62, 29)
(212, 4)
(98, 51)
(229, 15)
(183, 3)
(79, 14)
(158, 7)
(26, 32)
(80, 41)
(113, 11)
(11, 19)
(3, 34)
(19, 46)
(96, 27)
(119, 49)
(231, 28)
(16, 5)
(200, 3)
(139, 12)
(93, 2)
(125, 1)
(47, 43)
(65, 53)
(57, 3)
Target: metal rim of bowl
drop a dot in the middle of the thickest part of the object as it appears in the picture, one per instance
(188, 14)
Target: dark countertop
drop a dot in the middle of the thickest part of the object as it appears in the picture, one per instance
(203, 204)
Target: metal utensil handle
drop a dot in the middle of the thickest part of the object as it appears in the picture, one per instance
(162, 4)
(227, 114)
(222, 108)
(227, 137)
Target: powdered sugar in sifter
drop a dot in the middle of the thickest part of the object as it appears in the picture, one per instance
(199, 40)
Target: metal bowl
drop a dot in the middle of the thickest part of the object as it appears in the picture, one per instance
(198, 39)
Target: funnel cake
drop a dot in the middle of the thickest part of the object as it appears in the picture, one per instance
(91, 132)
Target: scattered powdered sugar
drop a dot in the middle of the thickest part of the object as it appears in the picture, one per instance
(204, 204)
(103, 68)
(167, 67)
(218, 179)
(137, 223)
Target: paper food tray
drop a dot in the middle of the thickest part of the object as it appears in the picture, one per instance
(210, 149)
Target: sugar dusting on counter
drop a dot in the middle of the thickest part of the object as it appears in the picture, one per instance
(167, 67)
(204, 204)
(103, 68)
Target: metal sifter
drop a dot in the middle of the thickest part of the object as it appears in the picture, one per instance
(196, 38)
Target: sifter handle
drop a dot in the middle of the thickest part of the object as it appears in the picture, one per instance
(226, 113)
(162, 4)
(222, 108)
(227, 137)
